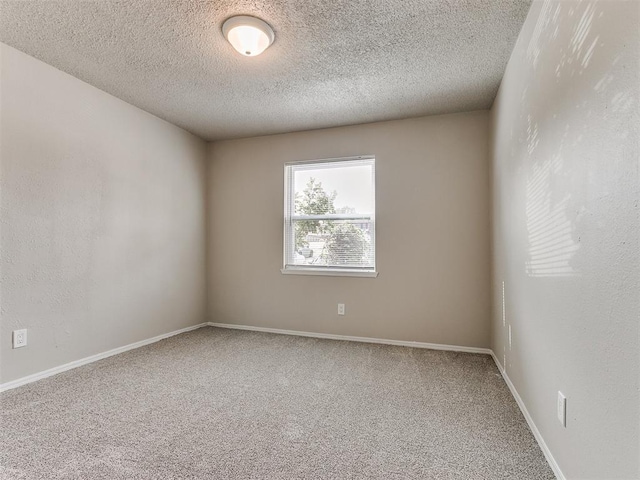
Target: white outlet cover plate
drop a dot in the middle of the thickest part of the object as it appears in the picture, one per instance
(20, 338)
(341, 309)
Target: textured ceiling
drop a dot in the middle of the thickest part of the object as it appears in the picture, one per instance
(332, 63)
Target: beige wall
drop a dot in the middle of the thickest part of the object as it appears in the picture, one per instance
(102, 220)
(432, 237)
(566, 230)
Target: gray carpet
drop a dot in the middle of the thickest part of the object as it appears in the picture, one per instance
(229, 404)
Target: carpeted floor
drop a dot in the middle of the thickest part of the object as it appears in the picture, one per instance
(229, 404)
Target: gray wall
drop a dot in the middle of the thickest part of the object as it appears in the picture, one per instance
(566, 230)
(102, 220)
(432, 237)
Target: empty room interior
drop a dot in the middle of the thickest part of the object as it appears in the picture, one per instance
(354, 239)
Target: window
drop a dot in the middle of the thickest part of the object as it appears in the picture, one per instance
(329, 217)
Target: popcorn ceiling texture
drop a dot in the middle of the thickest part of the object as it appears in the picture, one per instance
(332, 63)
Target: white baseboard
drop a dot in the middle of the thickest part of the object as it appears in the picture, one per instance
(433, 346)
(330, 336)
(534, 429)
(93, 358)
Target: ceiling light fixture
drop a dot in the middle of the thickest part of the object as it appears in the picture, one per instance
(250, 36)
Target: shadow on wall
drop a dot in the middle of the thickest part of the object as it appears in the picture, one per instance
(554, 174)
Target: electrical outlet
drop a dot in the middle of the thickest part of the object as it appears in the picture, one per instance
(562, 409)
(20, 338)
(341, 309)
(509, 337)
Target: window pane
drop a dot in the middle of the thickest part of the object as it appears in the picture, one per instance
(329, 214)
(341, 243)
(333, 188)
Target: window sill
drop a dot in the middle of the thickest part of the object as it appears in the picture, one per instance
(328, 273)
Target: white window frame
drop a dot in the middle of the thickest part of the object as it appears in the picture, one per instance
(288, 268)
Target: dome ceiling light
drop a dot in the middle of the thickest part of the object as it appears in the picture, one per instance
(250, 36)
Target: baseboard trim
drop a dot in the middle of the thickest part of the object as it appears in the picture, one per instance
(534, 429)
(93, 358)
(330, 336)
(432, 346)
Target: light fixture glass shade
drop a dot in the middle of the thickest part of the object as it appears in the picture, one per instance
(250, 36)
